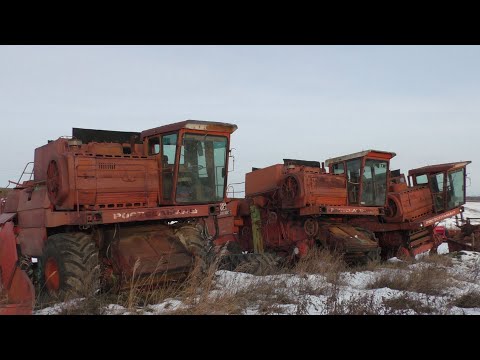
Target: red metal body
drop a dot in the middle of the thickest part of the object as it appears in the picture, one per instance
(123, 190)
(414, 210)
(302, 206)
(16, 289)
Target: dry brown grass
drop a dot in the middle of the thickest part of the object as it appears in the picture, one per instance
(371, 265)
(313, 288)
(322, 262)
(470, 299)
(403, 303)
(361, 304)
(435, 259)
(261, 294)
(265, 295)
(93, 305)
(430, 280)
(431, 277)
(438, 260)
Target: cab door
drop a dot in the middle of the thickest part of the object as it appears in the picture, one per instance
(167, 164)
(437, 187)
(163, 147)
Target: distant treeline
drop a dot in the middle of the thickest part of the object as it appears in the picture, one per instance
(473, 198)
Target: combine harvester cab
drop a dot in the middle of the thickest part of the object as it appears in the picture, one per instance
(433, 193)
(293, 207)
(109, 206)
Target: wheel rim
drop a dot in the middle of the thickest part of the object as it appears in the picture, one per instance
(52, 276)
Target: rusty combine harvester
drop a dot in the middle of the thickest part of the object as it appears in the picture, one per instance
(359, 207)
(115, 205)
(293, 207)
(433, 193)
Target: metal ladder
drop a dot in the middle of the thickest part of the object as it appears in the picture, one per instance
(24, 173)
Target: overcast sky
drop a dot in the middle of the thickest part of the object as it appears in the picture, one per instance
(304, 102)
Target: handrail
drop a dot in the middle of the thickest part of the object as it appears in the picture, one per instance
(232, 188)
(24, 172)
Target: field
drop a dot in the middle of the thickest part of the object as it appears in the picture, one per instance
(321, 284)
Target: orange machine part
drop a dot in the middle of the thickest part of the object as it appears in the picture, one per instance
(15, 287)
(409, 205)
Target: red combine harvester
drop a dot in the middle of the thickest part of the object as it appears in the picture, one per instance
(434, 193)
(115, 205)
(359, 207)
(293, 207)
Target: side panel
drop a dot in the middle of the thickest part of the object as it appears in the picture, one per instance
(325, 190)
(263, 180)
(31, 218)
(46, 153)
(409, 205)
(31, 240)
(115, 182)
(11, 205)
(32, 208)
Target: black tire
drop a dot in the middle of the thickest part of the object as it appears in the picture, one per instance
(255, 264)
(76, 258)
(191, 237)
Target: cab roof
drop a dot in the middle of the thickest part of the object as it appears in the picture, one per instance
(368, 153)
(430, 169)
(191, 124)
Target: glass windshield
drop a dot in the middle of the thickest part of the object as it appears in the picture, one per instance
(201, 171)
(374, 183)
(456, 188)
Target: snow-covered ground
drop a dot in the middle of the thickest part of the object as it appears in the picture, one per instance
(421, 287)
(352, 292)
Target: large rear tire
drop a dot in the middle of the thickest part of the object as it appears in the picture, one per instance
(191, 237)
(69, 266)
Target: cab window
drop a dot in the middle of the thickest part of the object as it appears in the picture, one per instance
(154, 145)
